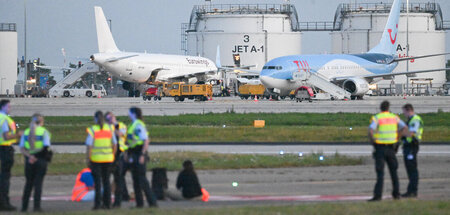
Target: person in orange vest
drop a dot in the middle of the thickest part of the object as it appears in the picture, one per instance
(101, 147)
(8, 136)
(384, 131)
(84, 186)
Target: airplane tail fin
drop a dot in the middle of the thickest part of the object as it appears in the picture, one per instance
(218, 64)
(104, 37)
(388, 42)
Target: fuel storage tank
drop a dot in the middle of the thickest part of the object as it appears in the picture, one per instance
(8, 58)
(361, 27)
(257, 32)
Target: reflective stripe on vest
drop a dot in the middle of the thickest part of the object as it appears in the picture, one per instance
(387, 129)
(12, 130)
(80, 189)
(133, 138)
(416, 119)
(38, 142)
(102, 151)
(122, 139)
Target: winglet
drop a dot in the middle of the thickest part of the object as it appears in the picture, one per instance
(104, 37)
(218, 64)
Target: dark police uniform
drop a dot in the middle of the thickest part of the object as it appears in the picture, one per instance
(35, 173)
(410, 150)
(385, 126)
(7, 125)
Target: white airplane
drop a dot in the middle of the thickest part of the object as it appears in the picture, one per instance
(144, 67)
(353, 72)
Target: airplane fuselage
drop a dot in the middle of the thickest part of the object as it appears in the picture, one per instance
(143, 67)
(278, 73)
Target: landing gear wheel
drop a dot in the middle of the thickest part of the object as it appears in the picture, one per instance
(66, 93)
(88, 93)
(137, 93)
(352, 97)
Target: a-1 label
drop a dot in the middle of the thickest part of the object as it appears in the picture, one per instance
(247, 49)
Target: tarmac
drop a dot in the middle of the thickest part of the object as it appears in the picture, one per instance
(167, 106)
(283, 186)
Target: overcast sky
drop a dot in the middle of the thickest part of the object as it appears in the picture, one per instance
(139, 25)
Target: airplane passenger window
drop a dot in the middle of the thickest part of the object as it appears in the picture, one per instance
(279, 67)
(264, 67)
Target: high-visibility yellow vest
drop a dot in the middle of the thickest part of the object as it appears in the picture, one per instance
(102, 151)
(123, 138)
(416, 119)
(133, 136)
(12, 130)
(387, 130)
(38, 143)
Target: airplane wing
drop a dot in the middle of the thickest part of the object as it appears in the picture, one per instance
(417, 57)
(239, 70)
(55, 67)
(191, 75)
(389, 75)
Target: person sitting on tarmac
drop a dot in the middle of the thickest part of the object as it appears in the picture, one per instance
(188, 186)
(83, 190)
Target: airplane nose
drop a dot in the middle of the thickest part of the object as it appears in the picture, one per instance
(265, 81)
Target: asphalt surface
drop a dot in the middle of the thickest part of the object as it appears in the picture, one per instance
(87, 106)
(352, 150)
(307, 184)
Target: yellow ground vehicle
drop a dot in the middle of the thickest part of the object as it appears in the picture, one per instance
(250, 91)
(200, 92)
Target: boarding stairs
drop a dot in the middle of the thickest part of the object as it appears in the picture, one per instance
(75, 75)
(319, 81)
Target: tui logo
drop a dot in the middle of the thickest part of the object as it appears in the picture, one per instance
(390, 35)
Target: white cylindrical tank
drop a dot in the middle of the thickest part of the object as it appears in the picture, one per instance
(8, 58)
(258, 33)
(362, 30)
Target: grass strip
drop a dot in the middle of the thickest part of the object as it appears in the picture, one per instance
(64, 164)
(401, 207)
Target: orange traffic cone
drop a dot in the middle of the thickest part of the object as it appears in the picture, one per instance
(404, 96)
(270, 99)
(210, 98)
(256, 99)
(99, 95)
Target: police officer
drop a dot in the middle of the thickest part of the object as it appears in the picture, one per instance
(383, 134)
(34, 146)
(119, 166)
(411, 148)
(101, 148)
(138, 141)
(8, 136)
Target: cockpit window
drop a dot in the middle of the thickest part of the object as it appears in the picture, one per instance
(271, 67)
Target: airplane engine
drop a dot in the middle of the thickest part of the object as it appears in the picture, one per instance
(356, 86)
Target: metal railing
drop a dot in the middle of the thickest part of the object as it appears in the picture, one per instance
(200, 10)
(345, 8)
(319, 26)
(7, 26)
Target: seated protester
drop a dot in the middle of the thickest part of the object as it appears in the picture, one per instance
(83, 190)
(188, 186)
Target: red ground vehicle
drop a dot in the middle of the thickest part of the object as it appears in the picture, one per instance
(152, 92)
(304, 93)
